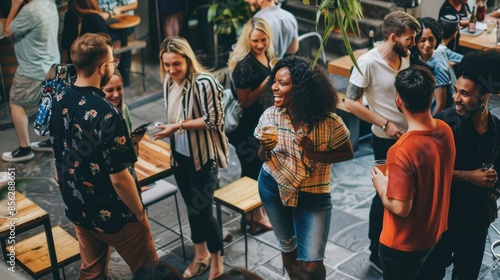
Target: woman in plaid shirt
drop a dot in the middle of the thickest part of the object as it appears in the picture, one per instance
(294, 183)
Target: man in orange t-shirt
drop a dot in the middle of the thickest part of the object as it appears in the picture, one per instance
(416, 192)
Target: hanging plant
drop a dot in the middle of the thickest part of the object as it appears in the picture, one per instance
(341, 14)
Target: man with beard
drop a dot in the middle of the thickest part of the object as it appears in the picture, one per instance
(283, 24)
(94, 165)
(475, 189)
(379, 67)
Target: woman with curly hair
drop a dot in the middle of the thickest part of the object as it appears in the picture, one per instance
(249, 64)
(195, 126)
(294, 182)
(429, 52)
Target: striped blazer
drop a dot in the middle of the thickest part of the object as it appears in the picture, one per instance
(202, 95)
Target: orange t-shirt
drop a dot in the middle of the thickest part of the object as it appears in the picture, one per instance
(420, 168)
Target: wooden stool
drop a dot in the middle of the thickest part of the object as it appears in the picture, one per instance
(33, 255)
(28, 216)
(241, 196)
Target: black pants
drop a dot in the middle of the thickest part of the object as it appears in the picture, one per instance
(398, 265)
(380, 147)
(462, 244)
(197, 189)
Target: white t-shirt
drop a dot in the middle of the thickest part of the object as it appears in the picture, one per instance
(379, 90)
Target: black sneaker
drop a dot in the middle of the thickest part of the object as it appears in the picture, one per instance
(18, 156)
(42, 146)
(375, 263)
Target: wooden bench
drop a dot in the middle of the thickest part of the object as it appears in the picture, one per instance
(33, 255)
(241, 196)
(28, 216)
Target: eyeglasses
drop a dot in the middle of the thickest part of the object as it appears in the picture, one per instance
(115, 61)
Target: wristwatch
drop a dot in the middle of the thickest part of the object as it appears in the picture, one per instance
(385, 125)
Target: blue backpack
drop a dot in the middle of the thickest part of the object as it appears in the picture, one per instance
(58, 78)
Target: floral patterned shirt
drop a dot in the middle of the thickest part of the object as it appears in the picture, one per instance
(90, 142)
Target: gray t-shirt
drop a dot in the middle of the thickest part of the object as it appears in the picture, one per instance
(35, 33)
(283, 25)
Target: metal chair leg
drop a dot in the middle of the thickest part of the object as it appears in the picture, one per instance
(180, 228)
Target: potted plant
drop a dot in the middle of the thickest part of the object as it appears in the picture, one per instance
(226, 19)
(229, 16)
(341, 14)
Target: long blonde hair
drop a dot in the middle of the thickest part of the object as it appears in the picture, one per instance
(180, 46)
(242, 48)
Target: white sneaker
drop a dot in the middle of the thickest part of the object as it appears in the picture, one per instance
(42, 146)
(15, 156)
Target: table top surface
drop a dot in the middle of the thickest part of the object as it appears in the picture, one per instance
(28, 213)
(481, 42)
(125, 21)
(153, 162)
(342, 65)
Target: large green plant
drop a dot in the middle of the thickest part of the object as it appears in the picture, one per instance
(228, 15)
(341, 14)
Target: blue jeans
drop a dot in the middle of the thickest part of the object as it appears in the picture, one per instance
(399, 265)
(304, 227)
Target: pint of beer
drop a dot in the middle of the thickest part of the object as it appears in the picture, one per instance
(270, 132)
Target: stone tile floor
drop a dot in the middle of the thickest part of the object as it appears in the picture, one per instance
(346, 252)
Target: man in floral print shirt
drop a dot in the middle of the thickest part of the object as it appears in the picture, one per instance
(94, 165)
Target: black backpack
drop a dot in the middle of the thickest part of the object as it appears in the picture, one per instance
(57, 79)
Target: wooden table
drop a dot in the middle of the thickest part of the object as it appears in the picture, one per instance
(342, 66)
(153, 162)
(481, 42)
(125, 22)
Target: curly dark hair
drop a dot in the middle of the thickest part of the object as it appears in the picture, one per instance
(313, 94)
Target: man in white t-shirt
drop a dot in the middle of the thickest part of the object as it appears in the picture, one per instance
(379, 67)
(283, 25)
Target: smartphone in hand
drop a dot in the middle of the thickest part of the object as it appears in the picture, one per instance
(140, 130)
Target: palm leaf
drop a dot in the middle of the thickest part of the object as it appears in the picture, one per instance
(342, 13)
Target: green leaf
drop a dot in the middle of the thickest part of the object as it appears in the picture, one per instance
(212, 12)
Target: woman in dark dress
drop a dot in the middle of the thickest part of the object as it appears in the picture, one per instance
(249, 64)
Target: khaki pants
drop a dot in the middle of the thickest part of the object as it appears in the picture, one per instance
(133, 242)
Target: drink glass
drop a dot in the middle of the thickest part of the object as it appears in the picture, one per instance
(153, 129)
(382, 165)
(487, 166)
(270, 131)
(490, 25)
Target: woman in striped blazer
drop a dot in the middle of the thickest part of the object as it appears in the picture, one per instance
(195, 126)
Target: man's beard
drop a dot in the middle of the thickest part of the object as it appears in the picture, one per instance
(399, 49)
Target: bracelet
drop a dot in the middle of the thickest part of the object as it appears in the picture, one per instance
(265, 155)
(180, 127)
(110, 15)
(385, 125)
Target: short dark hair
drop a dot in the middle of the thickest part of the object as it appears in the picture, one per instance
(435, 28)
(415, 86)
(397, 22)
(450, 24)
(89, 51)
(481, 67)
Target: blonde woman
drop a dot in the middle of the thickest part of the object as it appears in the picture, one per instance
(249, 64)
(195, 126)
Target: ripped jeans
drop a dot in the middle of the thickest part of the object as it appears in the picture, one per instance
(304, 227)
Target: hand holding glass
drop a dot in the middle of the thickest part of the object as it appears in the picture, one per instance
(382, 165)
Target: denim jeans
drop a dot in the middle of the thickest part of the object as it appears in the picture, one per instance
(304, 227)
(399, 265)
